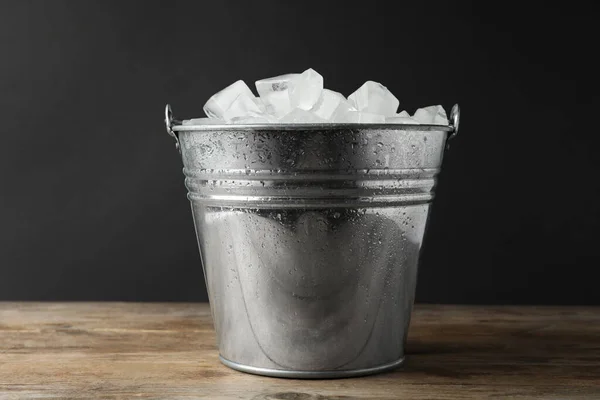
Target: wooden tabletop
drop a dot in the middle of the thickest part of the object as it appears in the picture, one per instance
(149, 350)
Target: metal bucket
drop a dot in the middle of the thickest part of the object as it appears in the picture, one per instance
(310, 238)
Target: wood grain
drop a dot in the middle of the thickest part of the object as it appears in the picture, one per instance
(167, 351)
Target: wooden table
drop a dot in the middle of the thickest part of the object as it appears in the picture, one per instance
(134, 350)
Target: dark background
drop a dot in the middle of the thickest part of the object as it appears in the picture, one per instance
(92, 201)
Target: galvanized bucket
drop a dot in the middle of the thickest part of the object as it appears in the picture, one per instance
(310, 238)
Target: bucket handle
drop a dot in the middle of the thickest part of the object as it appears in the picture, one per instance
(454, 121)
(169, 122)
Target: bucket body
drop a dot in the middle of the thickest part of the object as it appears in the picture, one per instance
(310, 239)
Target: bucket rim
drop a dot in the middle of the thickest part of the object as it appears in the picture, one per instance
(174, 126)
(177, 127)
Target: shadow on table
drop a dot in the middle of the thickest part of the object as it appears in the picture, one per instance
(471, 350)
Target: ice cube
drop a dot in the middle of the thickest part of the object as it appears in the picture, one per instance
(401, 120)
(305, 89)
(374, 98)
(243, 106)
(402, 117)
(257, 119)
(364, 117)
(275, 95)
(220, 102)
(328, 104)
(277, 103)
(434, 115)
(300, 116)
(274, 84)
(342, 110)
(202, 121)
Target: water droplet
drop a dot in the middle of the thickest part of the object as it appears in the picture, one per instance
(336, 215)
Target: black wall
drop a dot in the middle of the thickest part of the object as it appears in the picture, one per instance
(92, 201)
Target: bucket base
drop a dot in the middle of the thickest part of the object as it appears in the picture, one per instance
(282, 373)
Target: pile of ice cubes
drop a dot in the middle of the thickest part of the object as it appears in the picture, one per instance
(301, 99)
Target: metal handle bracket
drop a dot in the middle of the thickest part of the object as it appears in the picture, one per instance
(454, 121)
(169, 124)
